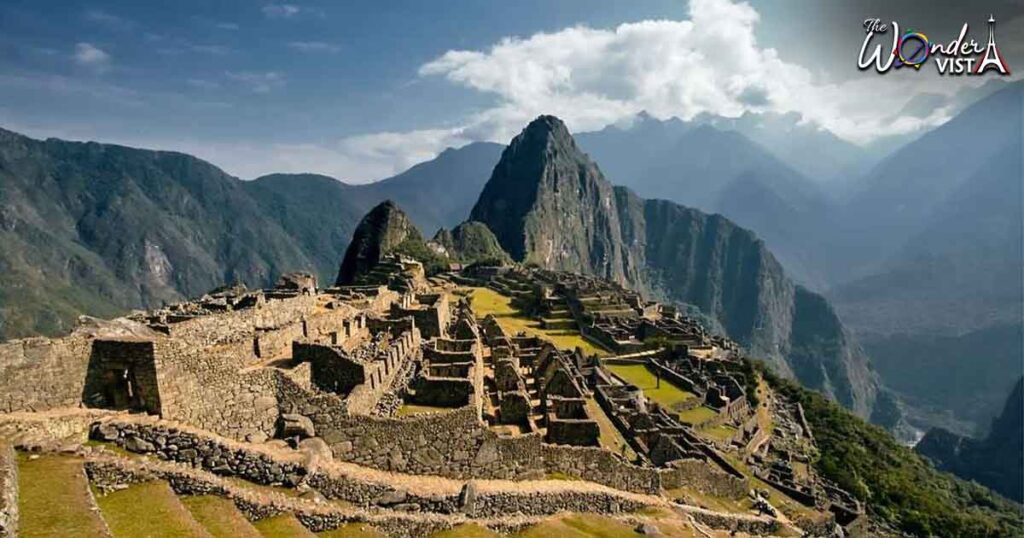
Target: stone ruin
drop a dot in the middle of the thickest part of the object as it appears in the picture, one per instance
(394, 374)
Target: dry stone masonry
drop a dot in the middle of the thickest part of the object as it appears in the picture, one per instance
(395, 373)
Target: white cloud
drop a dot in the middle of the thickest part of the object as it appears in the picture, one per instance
(108, 19)
(258, 82)
(203, 84)
(313, 46)
(213, 50)
(356, 159)
(227, 26)
(91, 56)
(280, 11)
(710, 63)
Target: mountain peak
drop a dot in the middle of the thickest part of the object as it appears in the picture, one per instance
(547, 131)
(381, 231)
(537, 195)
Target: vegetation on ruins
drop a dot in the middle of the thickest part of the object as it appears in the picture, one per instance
(549, 204)
(472, 243)
(486, 301)
(899, 486)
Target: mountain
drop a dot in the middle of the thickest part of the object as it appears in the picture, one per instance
(440, 192)
(98, 229)
(318, 212)
(995, 461)
(386, 229)
(941, 300)
(719, 170)
(471, 242)
(322, 212)
(550, 205)
(901, 195)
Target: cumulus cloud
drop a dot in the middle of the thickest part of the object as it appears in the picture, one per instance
(91, 56)
(710, 63)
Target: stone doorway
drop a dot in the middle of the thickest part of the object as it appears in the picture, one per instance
(122, 376)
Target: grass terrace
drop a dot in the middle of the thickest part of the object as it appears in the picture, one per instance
(283, 526)
(697, 416)
(668, 395)
(54, 498)
(610, 437)
(487, 301)
(220, 517)
(149, 509)
(413, 409)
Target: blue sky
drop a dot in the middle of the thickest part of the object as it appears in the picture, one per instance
(360, 90)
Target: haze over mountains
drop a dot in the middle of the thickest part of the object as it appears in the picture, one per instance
(549, 204)
(921, 257)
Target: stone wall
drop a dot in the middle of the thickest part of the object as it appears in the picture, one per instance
(230, 327)
(198, 388)
(362, 489)
(8, 492)
(700, 475)
(601, 466)
(202, 451)
(277, 342)
(42, 373)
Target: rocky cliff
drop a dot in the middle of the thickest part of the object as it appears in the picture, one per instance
(549, 204)
(996, 461)
(385, 229)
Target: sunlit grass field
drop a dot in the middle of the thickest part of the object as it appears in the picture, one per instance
(487, 301)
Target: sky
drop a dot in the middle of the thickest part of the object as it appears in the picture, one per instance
(361, 90)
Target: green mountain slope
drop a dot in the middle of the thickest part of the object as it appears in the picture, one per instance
(98, 228)
(549, 204)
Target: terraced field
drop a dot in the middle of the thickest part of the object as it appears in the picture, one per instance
(150, 509)
(55, 499)
(487, 301)
(665, 393)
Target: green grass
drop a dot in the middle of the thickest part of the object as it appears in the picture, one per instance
(283, 526)
(721, 432)
(54, 498)
(693, 496)
(697, 415)
(487, 301)
(559, 475)
(610, 436)
(580, 526)
(219, 517)
(414, 409)
(900, 486)
(668, 395)
(148, 510)
(352, 530)
(467, 530)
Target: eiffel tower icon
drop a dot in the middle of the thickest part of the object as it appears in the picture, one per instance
(992, 58)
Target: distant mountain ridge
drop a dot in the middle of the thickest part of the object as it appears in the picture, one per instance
(719, 170)
(549, 204)
(936, 237)
(100, 229)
